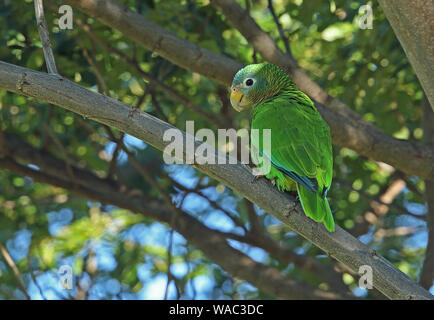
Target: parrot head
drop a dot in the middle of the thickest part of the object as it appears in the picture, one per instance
(256, 82)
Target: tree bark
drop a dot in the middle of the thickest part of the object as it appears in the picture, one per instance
(339, 245)
(209, 241)
(413, 23)
(347, 127)
(427, 274)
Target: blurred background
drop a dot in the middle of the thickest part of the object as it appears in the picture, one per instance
(116, 253)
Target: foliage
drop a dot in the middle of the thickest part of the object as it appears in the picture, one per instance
(117, 254)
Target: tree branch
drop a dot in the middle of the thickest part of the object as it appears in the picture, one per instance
(217, 122)
(45, 37)
(14, 268)
(340, 244)
(279, 27)
(209, 241)
(154, 37)
(347, 127)
(55, 167)
(412, 22)
(256, 237)
(427, 273)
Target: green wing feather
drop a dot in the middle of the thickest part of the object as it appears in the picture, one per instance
(300, 144)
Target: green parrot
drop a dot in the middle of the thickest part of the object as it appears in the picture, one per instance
(300, 157)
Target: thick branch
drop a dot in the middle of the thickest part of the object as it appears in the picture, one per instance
(257, 237)
(347, 127)
(153, 81)
(84, 178)
(340, 245)
(427, 274)
(365, 139)
(412, 21)
(211, 242)
(154, 37)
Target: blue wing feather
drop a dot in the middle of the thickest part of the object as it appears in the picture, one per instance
(303, 180)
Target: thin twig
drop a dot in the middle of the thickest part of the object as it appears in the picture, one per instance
(169, 264)
(64, 153)
(158, 107)
(92, 62)
(279, 27)
(45, 37)
(14, 268)
(33, 276)
(114, 160)
(4, 151)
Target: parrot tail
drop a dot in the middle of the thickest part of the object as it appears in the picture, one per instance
(316, 207)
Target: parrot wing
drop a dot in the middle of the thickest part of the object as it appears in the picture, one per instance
(300, 141)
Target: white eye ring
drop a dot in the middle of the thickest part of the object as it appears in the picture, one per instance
(249, 82)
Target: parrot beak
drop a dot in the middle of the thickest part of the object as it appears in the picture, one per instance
(238, 100)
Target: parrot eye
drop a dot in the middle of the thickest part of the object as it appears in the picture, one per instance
(249, 82)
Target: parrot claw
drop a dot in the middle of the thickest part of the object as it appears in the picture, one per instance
(257, 177)
(273, 182)
(294, 194)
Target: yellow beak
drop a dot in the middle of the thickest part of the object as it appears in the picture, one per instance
(237, 97)
(238, 100)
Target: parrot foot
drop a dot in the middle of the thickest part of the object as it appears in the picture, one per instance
(257, 177)
(295, 195)
(273, 182)
(290, 208)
